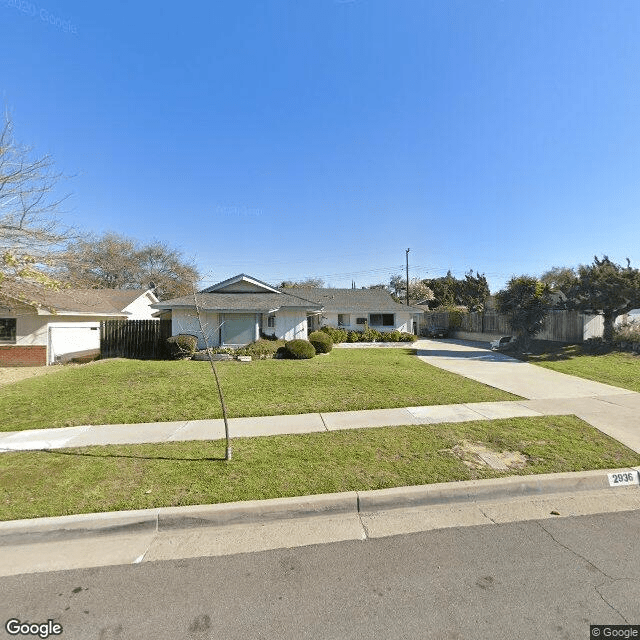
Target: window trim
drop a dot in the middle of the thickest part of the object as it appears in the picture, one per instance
(344, 324)
(382, 322)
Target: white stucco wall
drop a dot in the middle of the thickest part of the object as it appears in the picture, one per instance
(291, 325)
(186, 321)
(140, 309)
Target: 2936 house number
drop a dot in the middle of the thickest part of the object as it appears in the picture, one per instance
(623, 479)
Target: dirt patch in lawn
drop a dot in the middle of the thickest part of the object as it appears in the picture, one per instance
(477, 456)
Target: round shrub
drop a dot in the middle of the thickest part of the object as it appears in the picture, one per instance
(321, 342)
(408, 337)
(299, 350)
(353, 336)
(182, 346)
(391, 336)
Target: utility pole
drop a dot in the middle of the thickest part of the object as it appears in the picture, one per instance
(408, 276)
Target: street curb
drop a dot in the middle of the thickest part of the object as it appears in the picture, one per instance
(264, 511)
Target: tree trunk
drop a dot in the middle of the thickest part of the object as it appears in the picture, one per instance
(607, 335)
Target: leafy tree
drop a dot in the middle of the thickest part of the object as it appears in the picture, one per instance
(560, 278)
(113, 261)
(607, 288)
(31, 234)
(474, 291)
(448, 291)
(525, 301)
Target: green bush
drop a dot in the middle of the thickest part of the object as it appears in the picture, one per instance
(353, 336)
(455, 319)
(390, 336)
(182, 346)
(261, 349)
(299, 350)
(407, 337)
(337, 335)
(321, 341)
(370, 335)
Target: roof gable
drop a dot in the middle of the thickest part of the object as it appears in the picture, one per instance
(242, 283)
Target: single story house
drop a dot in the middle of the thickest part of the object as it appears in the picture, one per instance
(353, 309)
(51, 325)
(239, 310)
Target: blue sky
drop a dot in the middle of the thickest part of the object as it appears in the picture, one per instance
(295, 138)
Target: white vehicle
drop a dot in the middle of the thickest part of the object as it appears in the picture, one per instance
(502, 342)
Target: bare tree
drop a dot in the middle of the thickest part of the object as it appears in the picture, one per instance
(227, 455)
(31, 234)
(113, 261)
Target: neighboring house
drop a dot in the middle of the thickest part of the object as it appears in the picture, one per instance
(239, 310)
(51, 326)
(355, 309)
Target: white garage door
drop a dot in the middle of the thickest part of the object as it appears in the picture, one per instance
(239, 328)
(72, 338)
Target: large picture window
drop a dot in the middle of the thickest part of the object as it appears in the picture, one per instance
(381, 319)
(7, 330)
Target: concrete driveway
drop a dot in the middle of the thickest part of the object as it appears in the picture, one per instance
(475, 360)
(612, 410)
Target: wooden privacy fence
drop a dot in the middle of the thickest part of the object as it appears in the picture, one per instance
(142, 339)
(560, 325)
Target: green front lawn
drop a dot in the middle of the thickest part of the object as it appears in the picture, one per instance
(131, 391)
(111, 478)
(614, 368)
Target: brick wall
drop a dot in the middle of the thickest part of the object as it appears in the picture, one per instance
(23, 356)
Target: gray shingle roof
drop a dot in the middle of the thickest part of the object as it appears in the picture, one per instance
(353, 300)
(258, 302)
(94, 301)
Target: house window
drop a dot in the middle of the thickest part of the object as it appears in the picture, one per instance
(361, 321)
(271, 322)
(344, 319)
(7, 330)
(381, 319)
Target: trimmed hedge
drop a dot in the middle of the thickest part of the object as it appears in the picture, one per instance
(337, 335)
(298, 350)
(260, 349)
(182, 346)
(321, 341)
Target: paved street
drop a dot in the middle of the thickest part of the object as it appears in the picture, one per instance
(526, 580)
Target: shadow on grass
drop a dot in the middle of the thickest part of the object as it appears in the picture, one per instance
(87, 454)
(548, 351)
